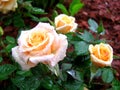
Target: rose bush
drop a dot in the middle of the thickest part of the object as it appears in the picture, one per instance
(7, 5)
(101, 54)
(40, 44)
(65, 24)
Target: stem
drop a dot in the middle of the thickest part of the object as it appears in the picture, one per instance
(1, 43)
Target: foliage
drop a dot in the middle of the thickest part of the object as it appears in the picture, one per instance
(74, 71)
(74, 7)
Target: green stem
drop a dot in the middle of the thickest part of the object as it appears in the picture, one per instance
(1, 43)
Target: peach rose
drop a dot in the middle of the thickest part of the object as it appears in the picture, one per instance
(65, 24)
(40, 45)
(101, 54)
(7, 5)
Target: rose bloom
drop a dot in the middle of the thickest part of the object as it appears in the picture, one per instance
(101, 54)
(65, 24)
(40, 45)
(7, 5)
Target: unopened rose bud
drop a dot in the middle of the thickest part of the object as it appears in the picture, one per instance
(1, 31)
(65, 24)
(101, 54)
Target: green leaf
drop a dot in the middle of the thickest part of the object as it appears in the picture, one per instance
(47, 83)
(35, 10)
(75, 6)
(6, 70)
(116, 85)
(34, 18)
(1, 59)
(43, 19)
(31, 83)
(93, 25)
(55, 87)
(24, 73)
(87, 36)
(66, 66)
(18, 21)
(10, 39)
(107, 75)
(76, 75)
(74, 2)
(9, 47)
(100, 29)
(54, 14)
(62, 8)
(81, 48)
(8, 21)
(76, 85)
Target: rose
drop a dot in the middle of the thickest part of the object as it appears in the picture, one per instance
(101, 54)
(7, 5)
(65, 24)
(40, 45)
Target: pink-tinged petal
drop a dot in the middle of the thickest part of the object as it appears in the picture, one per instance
(18, 59)
(61, 52)
(41, 59)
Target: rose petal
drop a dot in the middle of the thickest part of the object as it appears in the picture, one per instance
(18, 59)
(63, 26)
(96, 59)
(61, 52)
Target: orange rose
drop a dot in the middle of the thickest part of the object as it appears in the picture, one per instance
(40, 45)
(101, 54)
(65, 24)
(7, 5)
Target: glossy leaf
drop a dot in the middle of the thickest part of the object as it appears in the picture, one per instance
(24, 73)
(1, 59)
(10, 39)
(101, 29)
(75, 9)
(93, 25)
(31, 83)
(87, 36)
(18, 21)
(81, 48)
(47, 83)
(66, 66)
(107, 75)
(62, 8)
(75, 6)
(9, 47)
(76, 85)
(6, 70)
(116, 85)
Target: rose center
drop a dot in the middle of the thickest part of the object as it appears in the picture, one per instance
(102, 53)
(66, 20)
(36, 38)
